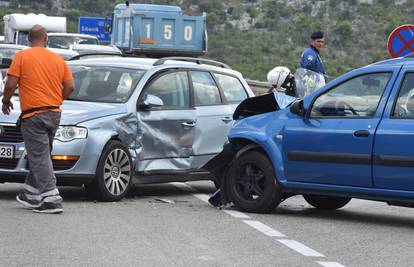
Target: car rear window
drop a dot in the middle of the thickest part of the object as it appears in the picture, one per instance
(64, 42)
(104, 84)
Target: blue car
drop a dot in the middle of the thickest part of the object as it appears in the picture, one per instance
(352, 138)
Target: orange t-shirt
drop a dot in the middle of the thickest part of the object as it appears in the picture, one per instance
(41, 74)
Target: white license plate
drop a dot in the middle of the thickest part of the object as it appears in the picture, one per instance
(6, 151)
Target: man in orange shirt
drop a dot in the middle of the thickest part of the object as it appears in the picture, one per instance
(44, 81)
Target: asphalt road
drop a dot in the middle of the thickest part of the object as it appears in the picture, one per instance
(172, 225)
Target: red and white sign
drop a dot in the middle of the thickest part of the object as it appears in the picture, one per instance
(401, 41)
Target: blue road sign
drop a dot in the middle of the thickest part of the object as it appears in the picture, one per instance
(401, 41)
(99, 27)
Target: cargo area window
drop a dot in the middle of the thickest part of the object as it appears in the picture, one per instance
(206, 91)
(233, 89)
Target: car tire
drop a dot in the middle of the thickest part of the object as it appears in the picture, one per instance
(113, 177)
(326, 202)
(252, 183)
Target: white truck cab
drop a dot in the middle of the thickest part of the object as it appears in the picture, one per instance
(17, 26)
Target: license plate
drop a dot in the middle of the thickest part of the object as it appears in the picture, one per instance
(6, 151)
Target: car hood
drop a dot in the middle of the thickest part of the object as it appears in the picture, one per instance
(74, 112)
(262, 123)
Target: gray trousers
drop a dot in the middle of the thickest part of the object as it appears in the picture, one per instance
(38, 132)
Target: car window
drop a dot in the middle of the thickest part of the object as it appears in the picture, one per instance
(23, 38)
(357, 97)
(404, 107)
(232, 88)
(91, 41)
(173, 89)
(104, 84)
(206, 91)
(64, 42)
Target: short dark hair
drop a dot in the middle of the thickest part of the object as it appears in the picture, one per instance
(37, 32)
(316, 35)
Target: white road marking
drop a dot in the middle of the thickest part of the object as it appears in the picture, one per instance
(292, 244)
(202, 197)
(330, 264)
(263, 228)
(236, 214)
(206, 258)
(300, 248)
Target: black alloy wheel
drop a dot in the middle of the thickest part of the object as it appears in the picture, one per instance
(252, 183)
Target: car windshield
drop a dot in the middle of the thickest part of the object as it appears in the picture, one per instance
(65, 42)
(22, 38)
(104, 84)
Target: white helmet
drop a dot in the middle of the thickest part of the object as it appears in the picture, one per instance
(277, 76)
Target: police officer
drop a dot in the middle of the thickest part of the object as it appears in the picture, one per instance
(311, 58)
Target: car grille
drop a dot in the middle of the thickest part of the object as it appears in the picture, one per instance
(59, 165)
(8, 163)
(11, 135)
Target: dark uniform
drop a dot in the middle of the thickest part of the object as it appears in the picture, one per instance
(311, 58)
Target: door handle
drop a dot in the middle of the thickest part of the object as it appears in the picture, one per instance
(188, 124)
(227, 119)
(361, 133)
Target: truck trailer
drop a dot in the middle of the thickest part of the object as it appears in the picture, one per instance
(158, 30)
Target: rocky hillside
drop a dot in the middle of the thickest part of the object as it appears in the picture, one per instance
(255, 35)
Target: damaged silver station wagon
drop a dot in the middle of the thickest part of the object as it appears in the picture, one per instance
(134, 119)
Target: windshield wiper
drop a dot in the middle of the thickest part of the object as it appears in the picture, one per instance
(76, 99)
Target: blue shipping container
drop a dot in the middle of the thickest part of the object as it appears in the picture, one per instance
(158, 29)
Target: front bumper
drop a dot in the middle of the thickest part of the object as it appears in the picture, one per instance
(67, 172)
(61, 178)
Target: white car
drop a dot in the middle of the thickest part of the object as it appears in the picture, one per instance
(7, 52)
(65, 53)
(66, 40)
(87, 48)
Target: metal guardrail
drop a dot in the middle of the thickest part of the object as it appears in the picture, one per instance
(258, 87)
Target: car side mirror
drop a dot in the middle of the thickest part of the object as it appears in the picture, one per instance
(150, 102)
(298, 108)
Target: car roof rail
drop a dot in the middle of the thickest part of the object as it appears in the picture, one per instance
(96, 54)
(192, 59)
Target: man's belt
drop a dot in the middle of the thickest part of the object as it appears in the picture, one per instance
(28, 111)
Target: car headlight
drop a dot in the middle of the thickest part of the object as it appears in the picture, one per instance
(69, 133)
